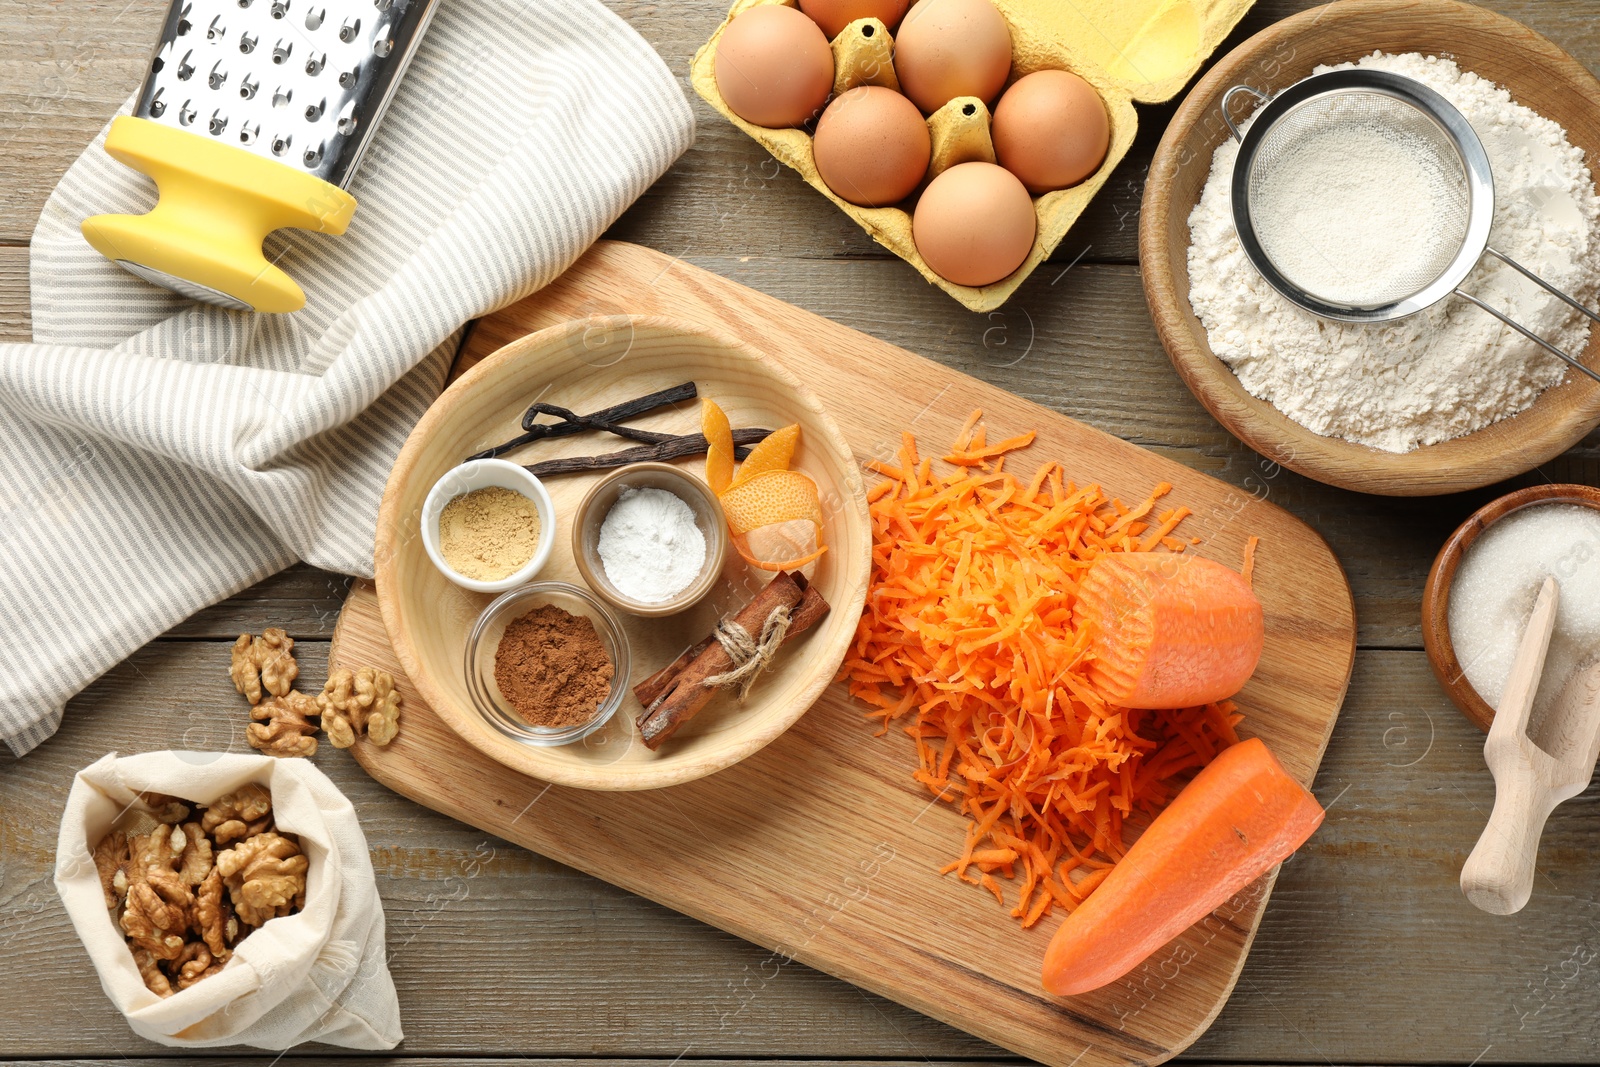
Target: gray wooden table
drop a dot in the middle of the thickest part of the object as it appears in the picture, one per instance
(1368, 953)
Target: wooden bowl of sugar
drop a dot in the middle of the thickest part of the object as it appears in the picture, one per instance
(1496, 585)
(1538, 74)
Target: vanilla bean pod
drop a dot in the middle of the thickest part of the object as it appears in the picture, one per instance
(674, 448)
(599, 420)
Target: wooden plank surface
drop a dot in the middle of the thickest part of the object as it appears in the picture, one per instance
(539, 961)
(499, 951)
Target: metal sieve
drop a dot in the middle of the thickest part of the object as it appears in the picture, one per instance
(1288, 126)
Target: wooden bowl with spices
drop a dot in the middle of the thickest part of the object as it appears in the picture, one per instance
(587, 366)
(1538, 74)
(1443, 655)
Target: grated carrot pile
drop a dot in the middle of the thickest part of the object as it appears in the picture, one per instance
(967, 634)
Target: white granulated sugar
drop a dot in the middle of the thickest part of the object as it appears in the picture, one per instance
(1494, 588)
(650, 546)
(1453, 368)
(1354, 235)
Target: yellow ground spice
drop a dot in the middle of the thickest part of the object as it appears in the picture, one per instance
(488, 533)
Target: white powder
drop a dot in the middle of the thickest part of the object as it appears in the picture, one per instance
(1354, 235)
(1446, 371)
(1495, 586)
(650, 546)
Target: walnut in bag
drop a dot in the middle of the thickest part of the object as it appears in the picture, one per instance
(227, 899)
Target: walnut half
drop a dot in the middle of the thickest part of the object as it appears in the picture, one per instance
(265, 876)
(357, 703)
(282, 727)
(264, 662)
(242, 813)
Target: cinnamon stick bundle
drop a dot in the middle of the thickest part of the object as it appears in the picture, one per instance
(676, 693)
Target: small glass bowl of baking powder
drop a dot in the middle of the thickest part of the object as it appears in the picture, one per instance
(491, 474)
(483, 645)
(653, 554)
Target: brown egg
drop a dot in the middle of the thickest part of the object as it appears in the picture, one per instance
(951, 48)
(834, 15)
(774, 67)
(974, 224)
(872, 146)
(1051, 130)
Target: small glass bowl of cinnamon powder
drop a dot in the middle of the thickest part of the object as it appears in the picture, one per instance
(547, 664)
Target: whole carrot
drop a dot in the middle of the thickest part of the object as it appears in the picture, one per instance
(1241, 815)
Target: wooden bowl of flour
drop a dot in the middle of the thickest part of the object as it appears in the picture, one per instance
(1538, 74)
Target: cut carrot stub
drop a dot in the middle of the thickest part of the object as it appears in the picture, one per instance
(1167, 630)
(774, 453)
(1239, 817)
(719, 446)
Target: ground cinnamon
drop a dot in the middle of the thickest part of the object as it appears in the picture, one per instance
(552, 667)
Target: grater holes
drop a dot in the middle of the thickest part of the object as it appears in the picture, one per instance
(187, 114)
(314, 111)
(384, 44)
(245, 3)
(315, 63)
(281, 50)
(216, 31)
(185, 67)
(280, 8)
(281, 143)
(348, 78)
(347, 119)
(312, 156)
(348, 31)
(158, 106)
(315, 17)
(248, 41)
(281, 96)
(248, 87)
(249, 132)
(218, 123)
(218, 76)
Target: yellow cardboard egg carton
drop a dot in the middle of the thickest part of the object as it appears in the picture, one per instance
(1130, 50)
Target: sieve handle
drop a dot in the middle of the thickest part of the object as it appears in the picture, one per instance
(1535, 279)
(1227, 106)
(1524, 331)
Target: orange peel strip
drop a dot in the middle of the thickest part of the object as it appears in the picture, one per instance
(776, 496)
(742, 547)
(719, 446)
(767, 498)
(773, 453)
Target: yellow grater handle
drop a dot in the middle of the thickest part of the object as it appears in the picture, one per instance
(217, 204)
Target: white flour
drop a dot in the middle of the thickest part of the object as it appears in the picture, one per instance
(1449, 370)
(1354, 235)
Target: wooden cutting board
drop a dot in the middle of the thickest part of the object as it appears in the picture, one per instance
(820, 847)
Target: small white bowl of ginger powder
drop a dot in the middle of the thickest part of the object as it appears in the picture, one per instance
(488, 525)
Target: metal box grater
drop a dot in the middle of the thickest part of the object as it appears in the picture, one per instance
(254, 115)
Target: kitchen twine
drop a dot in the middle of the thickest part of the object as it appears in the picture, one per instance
(162, 455)
(750, 657)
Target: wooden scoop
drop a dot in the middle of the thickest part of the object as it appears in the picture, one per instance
(1532, 773)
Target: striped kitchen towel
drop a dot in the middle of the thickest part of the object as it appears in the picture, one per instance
(161, 456)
